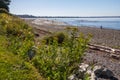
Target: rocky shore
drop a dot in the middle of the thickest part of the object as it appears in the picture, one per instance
(104, 60)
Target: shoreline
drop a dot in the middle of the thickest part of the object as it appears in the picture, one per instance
(104, 37)
(98, 23)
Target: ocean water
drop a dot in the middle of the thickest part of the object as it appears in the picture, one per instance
(109, 23)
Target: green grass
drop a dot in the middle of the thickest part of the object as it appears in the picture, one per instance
(16, 38)
(14, 68)
(19, 35)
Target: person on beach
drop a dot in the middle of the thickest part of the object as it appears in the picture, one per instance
(101, 27)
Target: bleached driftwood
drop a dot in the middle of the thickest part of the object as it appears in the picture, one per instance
(104, 48)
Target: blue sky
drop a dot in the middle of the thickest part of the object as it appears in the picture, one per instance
(66, 7)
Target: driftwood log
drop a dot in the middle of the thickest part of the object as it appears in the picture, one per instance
(114, 53)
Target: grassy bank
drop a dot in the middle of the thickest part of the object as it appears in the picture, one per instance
(21, 58)
(16, 38)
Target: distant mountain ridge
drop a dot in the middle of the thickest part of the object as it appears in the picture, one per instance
(31, 16)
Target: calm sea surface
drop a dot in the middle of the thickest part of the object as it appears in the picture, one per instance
(111, 23)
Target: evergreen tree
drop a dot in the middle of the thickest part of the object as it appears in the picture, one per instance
(4, 5)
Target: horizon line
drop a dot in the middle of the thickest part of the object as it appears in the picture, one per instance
(27, 15)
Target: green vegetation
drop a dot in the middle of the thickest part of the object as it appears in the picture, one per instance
(61, 56)
(16, 38)
(18, 34)
(86, 77)
(56, 58)
(60, 36)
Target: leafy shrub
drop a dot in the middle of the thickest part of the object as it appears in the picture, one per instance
(60, 37)
(56, 62)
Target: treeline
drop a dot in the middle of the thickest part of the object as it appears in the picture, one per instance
(31, 16)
